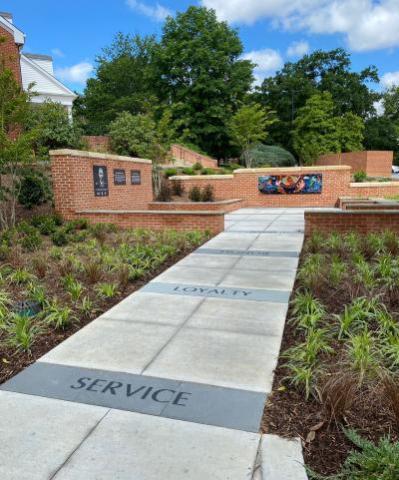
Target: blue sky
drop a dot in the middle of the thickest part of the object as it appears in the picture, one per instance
(273, 31)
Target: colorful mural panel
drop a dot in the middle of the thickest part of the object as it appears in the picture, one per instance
(291, 184)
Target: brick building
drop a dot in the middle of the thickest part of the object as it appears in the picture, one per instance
(31, 68)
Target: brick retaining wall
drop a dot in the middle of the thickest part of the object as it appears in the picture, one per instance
(191, 157)
(221, 206)
(373, 163)
(97, 143)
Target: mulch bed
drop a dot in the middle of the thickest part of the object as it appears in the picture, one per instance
(288, 414)
(12, 362)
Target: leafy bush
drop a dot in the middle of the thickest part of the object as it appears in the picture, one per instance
(208, 194)
(370, 461)
(197, 167)
(270, 156)
(165, 192)
(208, 171)
(188, 171)
(170, 172)
(178, 188)
(60, 237)
(195, 194)
(31, 241)
(360, 176)
(34, 189)
(46, 224)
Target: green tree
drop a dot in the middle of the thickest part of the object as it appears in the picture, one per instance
(317, 131)
(54, 128)
(124, 82)
(390, 102)
(381, 133)
(16, 144)
(248, 126)
(202, 77)
(321, 71)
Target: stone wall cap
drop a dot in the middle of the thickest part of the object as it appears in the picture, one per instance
(97, 155)
(373, 184)
(151, 212)
(370, 211)
(216, 202)
(288, 170)
(201, 177)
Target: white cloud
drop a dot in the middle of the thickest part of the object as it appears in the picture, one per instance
(267, 62)
(365, 24)
(78, 73)
(57, 52)
(379, 107)
(156, 12)
(298, 49)
(390, 79)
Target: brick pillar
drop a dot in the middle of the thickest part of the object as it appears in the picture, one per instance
(63, 176)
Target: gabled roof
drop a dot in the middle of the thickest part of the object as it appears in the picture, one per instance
(45, 83)
(19, 36)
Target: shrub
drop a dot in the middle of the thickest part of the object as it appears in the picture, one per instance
(208, 171)
(32, 241)
(170, 172)
(58, 317)
(208, 194)
(34, 189)
(188, 171)
(46, 224)
(60, 237)
(197, 167)
(21, 332)
(178, 189)
(165, 192)
(271, 156)
(195, 194)
(360, 176)
(40, 265)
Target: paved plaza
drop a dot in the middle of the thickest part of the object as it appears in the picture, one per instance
(171, 382)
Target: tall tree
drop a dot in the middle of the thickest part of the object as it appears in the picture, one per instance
(318, 131)
(248, 126)
(124, 81)
(202, 77)
(321, 71)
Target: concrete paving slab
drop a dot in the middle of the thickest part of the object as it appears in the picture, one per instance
(231, 240)
(129, 446)
(262, 264)
(152, 308)
(209, 261)
(112, 345)
(263, 318)
(251, 252)
(39, 434)
(282, 459)
(216, 358)
(255, 279)
(207, 404)
(278, 242)
(232, 293)
(197, 275)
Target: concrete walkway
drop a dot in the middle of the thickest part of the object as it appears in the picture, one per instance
(172, 381)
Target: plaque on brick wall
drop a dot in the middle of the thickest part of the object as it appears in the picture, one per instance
(119, 177)
(135, 177)
(100, 180)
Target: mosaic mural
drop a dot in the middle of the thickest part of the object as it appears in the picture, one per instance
(289, 184)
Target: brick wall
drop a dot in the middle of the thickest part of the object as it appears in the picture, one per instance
(244, 184)
(374, 163)
(159, 220)
(191, 157)
(72, 173)
(9, 53)
(363, 221)
(221, 206)
(97, 143)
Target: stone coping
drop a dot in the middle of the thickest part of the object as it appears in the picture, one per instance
(216, 202)
(371, 211)
(96, 155)
(202, 177)
(151, 212)
(373, 184)
(288, 170)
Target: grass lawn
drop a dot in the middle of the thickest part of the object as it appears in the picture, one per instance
(337, 383)
(71, 272)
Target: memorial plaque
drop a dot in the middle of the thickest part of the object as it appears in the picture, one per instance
(100, 181)
(119, 177)
(162, 397)
(135, 176)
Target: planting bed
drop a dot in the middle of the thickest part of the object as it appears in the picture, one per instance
(339, 364)
(72, 272)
